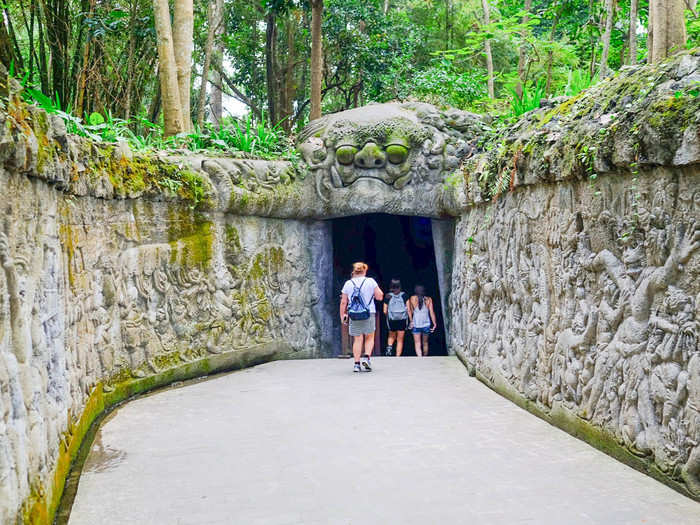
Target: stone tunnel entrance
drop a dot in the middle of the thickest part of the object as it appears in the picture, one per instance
(393, 247)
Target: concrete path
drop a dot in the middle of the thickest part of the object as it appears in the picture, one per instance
(416, 441)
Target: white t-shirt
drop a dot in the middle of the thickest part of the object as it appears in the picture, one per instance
(367, 290)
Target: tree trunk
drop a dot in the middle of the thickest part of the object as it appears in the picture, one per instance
(169, 90)
(634, 5)
(217, 103)
(270, 70)
(19, 61)
(6, 54)
(522, 52)
(154, 110)
(487, 49)
(211, 21)
(288, 90)
(183, 28)
(666, 28)
(82, 76)
(130, 59)
(448, 24)
(550, 55)
(43, 62)
(609, 20)
(316, 58)
(386, 7)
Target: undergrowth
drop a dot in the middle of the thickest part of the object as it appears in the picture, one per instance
(253, 137)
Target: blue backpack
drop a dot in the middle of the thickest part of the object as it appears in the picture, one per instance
(357, 309)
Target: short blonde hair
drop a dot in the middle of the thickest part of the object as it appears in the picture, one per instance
(359, 268)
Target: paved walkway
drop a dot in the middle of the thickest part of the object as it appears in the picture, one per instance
(414, 442)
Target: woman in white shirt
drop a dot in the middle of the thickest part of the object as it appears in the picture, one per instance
(364, 290)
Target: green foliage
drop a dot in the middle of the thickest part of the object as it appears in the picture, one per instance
(255, 137)
(100, 58)
(443, 83)
(529, 100)
(578, 81)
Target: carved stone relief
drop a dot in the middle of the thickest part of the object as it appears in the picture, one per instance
(103, 292)
(591, 307)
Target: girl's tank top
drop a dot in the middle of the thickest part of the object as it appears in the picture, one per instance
(421, 316)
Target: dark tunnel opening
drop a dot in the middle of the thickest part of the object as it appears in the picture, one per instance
(394, 247)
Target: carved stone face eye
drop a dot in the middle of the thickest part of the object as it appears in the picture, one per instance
(345, 154)
(396, 153)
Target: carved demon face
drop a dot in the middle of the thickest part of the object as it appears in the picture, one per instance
(378, 152)
(395, 144)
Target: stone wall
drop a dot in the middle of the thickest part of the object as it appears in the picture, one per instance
(586, 300)
(574, 265)
(576, 280)
(103, 296)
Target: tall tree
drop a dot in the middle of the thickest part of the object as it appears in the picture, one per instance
(522, 54)
(487, 50)
(183, 28)
(448, 23)
(610, 6)
(271, 64)
(316, 58)
(6, 55)
(634, 6)
(217, 103)
(131, 58)
(208, 48)
(666, 28)
(170, 92)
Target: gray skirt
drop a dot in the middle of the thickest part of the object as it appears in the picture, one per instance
(365, 326)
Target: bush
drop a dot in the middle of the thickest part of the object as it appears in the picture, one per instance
(443, 83)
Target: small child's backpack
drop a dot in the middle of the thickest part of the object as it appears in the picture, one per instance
(357, 309)
(396, 310)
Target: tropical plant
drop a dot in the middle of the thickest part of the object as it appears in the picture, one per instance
(529, 100)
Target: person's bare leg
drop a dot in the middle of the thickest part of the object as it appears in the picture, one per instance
(390, 342)
(417, 343)
(369, 344)
(399, 342)
(357, 347)
(425, 344)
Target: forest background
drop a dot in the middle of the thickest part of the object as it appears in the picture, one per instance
(104, 65)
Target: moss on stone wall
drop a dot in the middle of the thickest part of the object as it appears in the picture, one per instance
(633, 120)
(141, 174)
(191, 238)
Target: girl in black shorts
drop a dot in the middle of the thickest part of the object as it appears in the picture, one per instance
(396, 311)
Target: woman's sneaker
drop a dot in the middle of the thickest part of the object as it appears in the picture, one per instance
(365, 364)
(357, 368)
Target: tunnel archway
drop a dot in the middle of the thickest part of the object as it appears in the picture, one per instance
(394, 246)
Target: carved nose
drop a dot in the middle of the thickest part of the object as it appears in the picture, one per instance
(371, 156)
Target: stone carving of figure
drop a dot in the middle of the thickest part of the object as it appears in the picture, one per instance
(20, 337)
(604, 359)
(691, 470)
(642, 284)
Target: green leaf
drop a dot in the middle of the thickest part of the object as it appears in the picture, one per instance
(95, 119)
